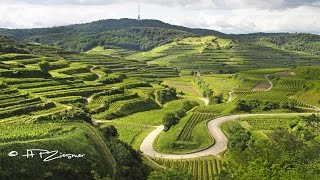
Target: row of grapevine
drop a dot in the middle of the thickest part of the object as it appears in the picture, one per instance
(201, 169)
(185, 134)
(33, 131)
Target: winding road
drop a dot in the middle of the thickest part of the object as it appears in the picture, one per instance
(213, 126)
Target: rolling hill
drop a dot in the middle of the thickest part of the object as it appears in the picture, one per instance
(56, 34)
(102, 88)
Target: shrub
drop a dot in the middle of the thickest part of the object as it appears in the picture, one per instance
(44, 66)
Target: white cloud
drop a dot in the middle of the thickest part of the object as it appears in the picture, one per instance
(229, 4)
(249, 16)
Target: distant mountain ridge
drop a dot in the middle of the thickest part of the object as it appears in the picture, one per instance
(99, 27)
(72, 35)
(146, 34)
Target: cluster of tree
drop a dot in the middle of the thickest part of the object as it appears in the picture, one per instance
(113, 79)
(131, 38)
(45, 66)
(250, 105)
(165, 95)
(172, 118)
(291, 153)
(312, 121)
(309, 43)
(9, 46)
(129, 161)
(208, 92)
(78, 113)
(240, 138)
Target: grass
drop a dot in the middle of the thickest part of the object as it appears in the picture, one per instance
(185, 84)
(114, 52)
(310, 96)
(133, 134)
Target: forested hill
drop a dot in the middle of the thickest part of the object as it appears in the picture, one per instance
(309, 43)
(130, 38)
(9, 46)
(61, 32)
(146, 34)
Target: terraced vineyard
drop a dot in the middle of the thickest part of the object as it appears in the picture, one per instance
(284, 88)
(269, 123)
(132, 68)
(201, 169)
(112, 94)
(15, 103)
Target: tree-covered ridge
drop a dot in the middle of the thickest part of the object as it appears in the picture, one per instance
(54, 34)
(9, 46)
(130, 38)
(309, 43)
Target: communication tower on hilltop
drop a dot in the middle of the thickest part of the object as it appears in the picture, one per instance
(139, 17)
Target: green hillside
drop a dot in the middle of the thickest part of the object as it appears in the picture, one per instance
(131, 38)
(9, 46)
(308, 43)
(99, 29)
(212, 54)
(144, 99)
(66, 138)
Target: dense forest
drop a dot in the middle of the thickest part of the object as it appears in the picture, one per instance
(9, 46)
(308, 43)
(131, 38)
(54, 34)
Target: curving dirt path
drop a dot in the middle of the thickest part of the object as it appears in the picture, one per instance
(213, 126)
(230, 96)
(92, 70)
(270, 82)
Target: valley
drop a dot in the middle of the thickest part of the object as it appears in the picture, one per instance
(158, 98)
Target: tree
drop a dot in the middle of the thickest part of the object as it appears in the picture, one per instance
(110, 131)
(169, 120)
(44, 66)
(242, 106)
(129, 161)
(216, 99)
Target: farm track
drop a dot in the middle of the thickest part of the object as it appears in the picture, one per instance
(230, 97)
(213, 126)
(92, 70)
(270, 82)
(99, 77)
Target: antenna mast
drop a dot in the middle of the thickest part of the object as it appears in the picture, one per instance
(139, 18)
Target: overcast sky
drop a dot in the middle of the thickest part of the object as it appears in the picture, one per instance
(229, 16)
